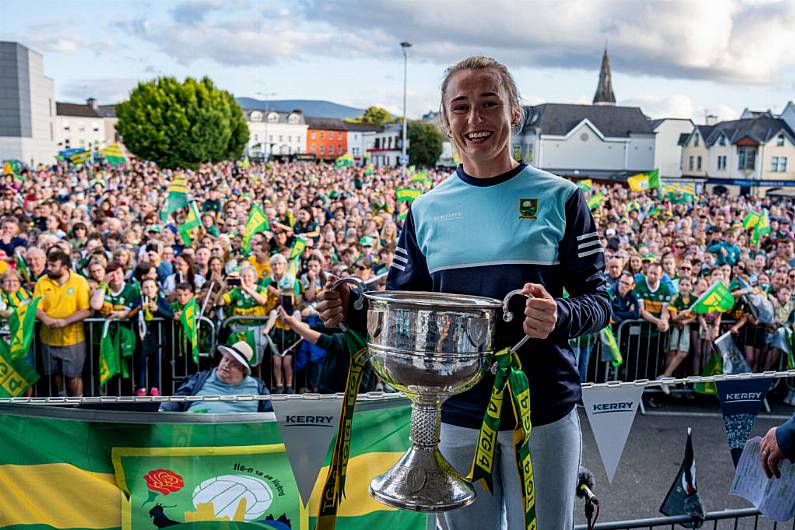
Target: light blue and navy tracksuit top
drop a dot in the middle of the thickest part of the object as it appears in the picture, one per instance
(487, 237)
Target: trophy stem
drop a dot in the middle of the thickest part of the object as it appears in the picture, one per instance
(422, 480)
(426, 421)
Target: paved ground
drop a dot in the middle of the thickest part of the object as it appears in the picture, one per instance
(654, 452)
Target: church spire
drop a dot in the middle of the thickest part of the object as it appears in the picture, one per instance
(604, 91)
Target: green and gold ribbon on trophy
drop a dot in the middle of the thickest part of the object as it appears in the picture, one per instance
(509, 375)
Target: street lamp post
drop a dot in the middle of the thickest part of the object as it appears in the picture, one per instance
(405, 45)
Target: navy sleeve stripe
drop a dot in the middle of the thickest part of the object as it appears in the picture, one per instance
(584, 236)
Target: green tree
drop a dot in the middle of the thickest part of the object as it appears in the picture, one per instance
(425, 143)
(374, 116)
(181, 125)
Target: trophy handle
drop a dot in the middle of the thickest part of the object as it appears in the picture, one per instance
(359, 303)
(507, 315)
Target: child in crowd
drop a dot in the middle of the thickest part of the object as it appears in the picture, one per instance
(152, 331)
(681, 319)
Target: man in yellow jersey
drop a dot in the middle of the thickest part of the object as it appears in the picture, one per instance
(63, 307)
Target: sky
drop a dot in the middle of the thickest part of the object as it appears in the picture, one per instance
(673, 58)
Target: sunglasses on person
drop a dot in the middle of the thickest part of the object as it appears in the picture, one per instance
(684, 268)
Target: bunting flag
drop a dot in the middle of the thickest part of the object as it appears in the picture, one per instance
(187, 318)
(679, 193)
(177, 196)
(121, 478)
(740, 402)
(751, 218)
(80, 157)
(257, 222)
(297, 248)
(407, 194)
(595, 201)
(12, 167)
(611, 412)
(761, 229)
(192, 220)
(344, 161)
(644, 181)
(683, 497)
(609, 342)
(22, 268)
(21, 325)
(307, 430)
(585, 185)
(113, 155)
(716, 299)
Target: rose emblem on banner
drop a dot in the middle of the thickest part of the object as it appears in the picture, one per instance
(162, 481)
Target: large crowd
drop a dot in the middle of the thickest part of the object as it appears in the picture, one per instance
(98, 231)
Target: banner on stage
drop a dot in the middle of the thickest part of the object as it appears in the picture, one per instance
(611, 412)
(740, 402)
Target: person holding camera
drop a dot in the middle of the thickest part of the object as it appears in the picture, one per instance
(244, 298)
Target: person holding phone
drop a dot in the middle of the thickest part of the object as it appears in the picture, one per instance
(493, 226)
(281, 338)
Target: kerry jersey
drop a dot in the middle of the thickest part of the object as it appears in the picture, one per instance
(487, 237)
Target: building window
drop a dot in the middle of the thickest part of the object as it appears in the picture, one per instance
(698, 163)
(322, 149)
(377, 143)
(774, 164)
(691, 163)
(782, 163)
(780, 140)
(66, 128)
(339, 136)
(256, 137)
(322, 135)
(746, 158)
(722, 163)
(695, 141)
(722, 140)
(280, 138)
(339, 149)
(314, 135)
(270, 138)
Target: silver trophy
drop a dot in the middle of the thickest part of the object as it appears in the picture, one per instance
(429, 346)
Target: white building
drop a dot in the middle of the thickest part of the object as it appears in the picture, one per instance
(387, 144)
(667, 146)
(275, 133)
(361, 139)
(27, 106)
(589, 141)
(87, 126)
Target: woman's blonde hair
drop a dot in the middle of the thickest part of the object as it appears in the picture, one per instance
(479, 62)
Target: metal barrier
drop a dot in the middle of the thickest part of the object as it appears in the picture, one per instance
(748, 518)
(155, 362)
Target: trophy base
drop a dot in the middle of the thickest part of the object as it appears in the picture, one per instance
(422, 481)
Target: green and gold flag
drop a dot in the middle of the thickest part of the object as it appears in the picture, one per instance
(187, 318)
(716, 299)
(113, 154)
(344, 160)
(370, 169)
(192, 220)
(80, 157)
(22, 268)
(714, 366)
(761, 229)
(751, 218)
(296, 249)
(644, 181)
(16, 376)
(257, 222)
(585, 185)
(596, 200)
(609, 341)
(21, 325)
(177, 196)
(109, 357)
(407, 194)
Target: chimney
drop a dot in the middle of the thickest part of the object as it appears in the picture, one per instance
(92, 104)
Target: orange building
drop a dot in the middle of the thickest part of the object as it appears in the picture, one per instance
(326, 138)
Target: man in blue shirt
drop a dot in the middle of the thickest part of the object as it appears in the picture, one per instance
(623, 302)
(232, 377)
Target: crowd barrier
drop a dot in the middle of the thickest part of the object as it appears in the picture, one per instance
(644, 352)
(745, 519)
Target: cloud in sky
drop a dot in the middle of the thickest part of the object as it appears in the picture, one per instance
(108, 90)
(747, 42)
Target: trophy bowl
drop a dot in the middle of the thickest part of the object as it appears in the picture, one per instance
(429, 346)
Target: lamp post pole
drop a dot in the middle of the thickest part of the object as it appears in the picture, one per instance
(266, 95)
(403, 47)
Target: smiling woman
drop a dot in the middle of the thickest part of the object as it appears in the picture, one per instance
(492, 226)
